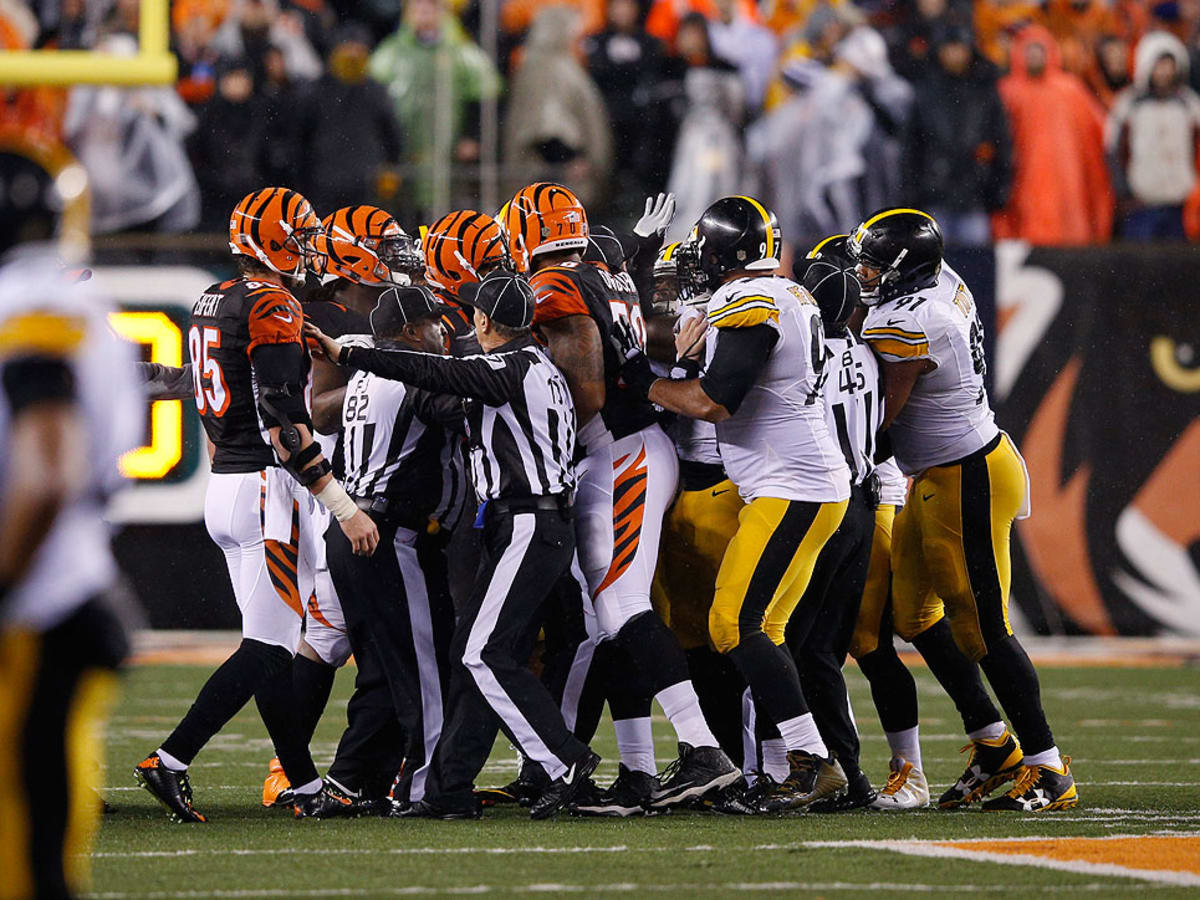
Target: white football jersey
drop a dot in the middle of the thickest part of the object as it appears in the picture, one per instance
(893, 486)
(778, 443)
(947, 416)
(695, 440)
(43, 313)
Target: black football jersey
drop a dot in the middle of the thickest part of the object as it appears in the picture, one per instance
(228, 322)
(334, 319)
(590, 289)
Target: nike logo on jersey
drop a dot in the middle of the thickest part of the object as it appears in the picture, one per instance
(288, 319)
(891, 323)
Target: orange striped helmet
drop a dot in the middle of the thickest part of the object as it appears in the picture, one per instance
(366, 245)
(461, 247)
(275, 226)
(543, 218)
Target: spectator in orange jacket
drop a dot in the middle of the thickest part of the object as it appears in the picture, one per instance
(1061, 191)
(665, 15)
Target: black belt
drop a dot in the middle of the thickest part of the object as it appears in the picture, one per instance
(978, 454)
(547, 502)
(866, 493)
(700, 476)
(387, 511)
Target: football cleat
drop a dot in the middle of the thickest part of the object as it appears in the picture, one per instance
(563, 789)
(810, 778)
(1040, 789)
(330, 802)
(740, 799)
(697, 772)
(992, 762)
(627, 796)
(172, 789)
(906, 787)
(423, 809)
(857, 795)
(524, 789)
(277, 790)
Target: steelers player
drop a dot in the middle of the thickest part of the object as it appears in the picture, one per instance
(761, 386)
(951, 542)
(69, 407)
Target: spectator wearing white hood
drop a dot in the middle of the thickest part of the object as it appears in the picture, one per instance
(1151, 140)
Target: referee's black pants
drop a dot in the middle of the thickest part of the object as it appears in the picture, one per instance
(820, 629)
(55, 691)
(527, 554)
(399, 620)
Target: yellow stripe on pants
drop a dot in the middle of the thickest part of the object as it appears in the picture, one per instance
(20, 654)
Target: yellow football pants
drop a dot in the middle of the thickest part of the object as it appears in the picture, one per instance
(696, 533)
(767, 567)
(950, 549)
(870, 625)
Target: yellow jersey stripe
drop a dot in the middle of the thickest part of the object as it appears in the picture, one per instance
(890, 347)
(746, 318)
(738, 301)
(812, 254)
(41, 332)
(895, 332)
(766, 217)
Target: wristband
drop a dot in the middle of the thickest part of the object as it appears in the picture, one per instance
(686, 368)
(344, 355)
(335, 499)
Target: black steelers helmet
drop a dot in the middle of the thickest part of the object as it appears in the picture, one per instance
(604, 246)
(832, 249)
(905, 245)
(734, 233)
(836, 291)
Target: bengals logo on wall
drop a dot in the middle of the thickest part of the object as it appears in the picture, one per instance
(1098, 380)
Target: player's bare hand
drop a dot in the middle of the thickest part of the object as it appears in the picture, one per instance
(689, 342)
(362, 534)
(325, 345)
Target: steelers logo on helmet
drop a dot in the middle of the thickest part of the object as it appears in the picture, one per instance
(734, 234)
(898, 252)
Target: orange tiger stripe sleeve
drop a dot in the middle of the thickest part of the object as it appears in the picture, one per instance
(557, 296)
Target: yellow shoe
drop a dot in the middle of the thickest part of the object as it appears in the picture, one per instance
(1040, 789)
(277, 790)
(992, 763)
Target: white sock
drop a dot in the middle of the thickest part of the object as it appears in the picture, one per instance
(311, 788)
(774, 758)
(682, 707)
(635, 741)
(800, 733)
(906, 745)
(1045, 758)
(170, 762)
(992, 732)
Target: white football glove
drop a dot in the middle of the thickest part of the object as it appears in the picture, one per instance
(659, 212)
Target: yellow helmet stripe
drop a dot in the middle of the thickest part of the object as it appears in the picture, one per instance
(812, 254)
(862, 229)
(668, 252)
(766, 217)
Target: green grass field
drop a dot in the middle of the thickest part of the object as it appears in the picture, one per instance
(1134, 735)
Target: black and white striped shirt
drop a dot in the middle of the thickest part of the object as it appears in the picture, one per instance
(404, 444)
(520, 417)
(853, 402)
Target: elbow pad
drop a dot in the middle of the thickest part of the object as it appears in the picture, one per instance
(282, 406)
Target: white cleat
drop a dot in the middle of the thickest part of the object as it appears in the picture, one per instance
(906, 788)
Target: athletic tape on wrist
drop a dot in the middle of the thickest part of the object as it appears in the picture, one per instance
(335, 499)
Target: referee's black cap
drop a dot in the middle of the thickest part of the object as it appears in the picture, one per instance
(504, 296)
(400, 306)
(835, 289)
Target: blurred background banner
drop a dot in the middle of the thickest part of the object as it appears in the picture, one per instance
(1098, 380)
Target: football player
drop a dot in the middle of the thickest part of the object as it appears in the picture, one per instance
(762, 388)
(250, 370)
(70, 405)
(951, 542)
(461, 248)
(626, 482)
(360, 252)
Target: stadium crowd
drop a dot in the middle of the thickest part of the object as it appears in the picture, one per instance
(1060, 122)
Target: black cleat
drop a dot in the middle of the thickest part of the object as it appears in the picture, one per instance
(563, 790)
(810, 778)
(740, 799)
(991, 764)
(423, 809)
(627, 796)
(697, 772)
(330, 802)
(1040, 789)
(857, 794)
(172, 789)
(524, 789)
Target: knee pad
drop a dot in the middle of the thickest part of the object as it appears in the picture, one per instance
(723, 626)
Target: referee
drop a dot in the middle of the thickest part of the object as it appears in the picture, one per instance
(404, 467)
(521, 431)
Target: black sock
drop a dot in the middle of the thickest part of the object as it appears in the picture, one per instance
(655, 650)
(224, 694)
(771, 673)
(276, 701)
(719, 685)
(892, 688)
(312, 683)
(1012, 676)
(958, 676)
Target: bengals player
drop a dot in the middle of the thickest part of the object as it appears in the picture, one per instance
(461, 248)
(360, 252)
(250, 371)
(626, 482)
